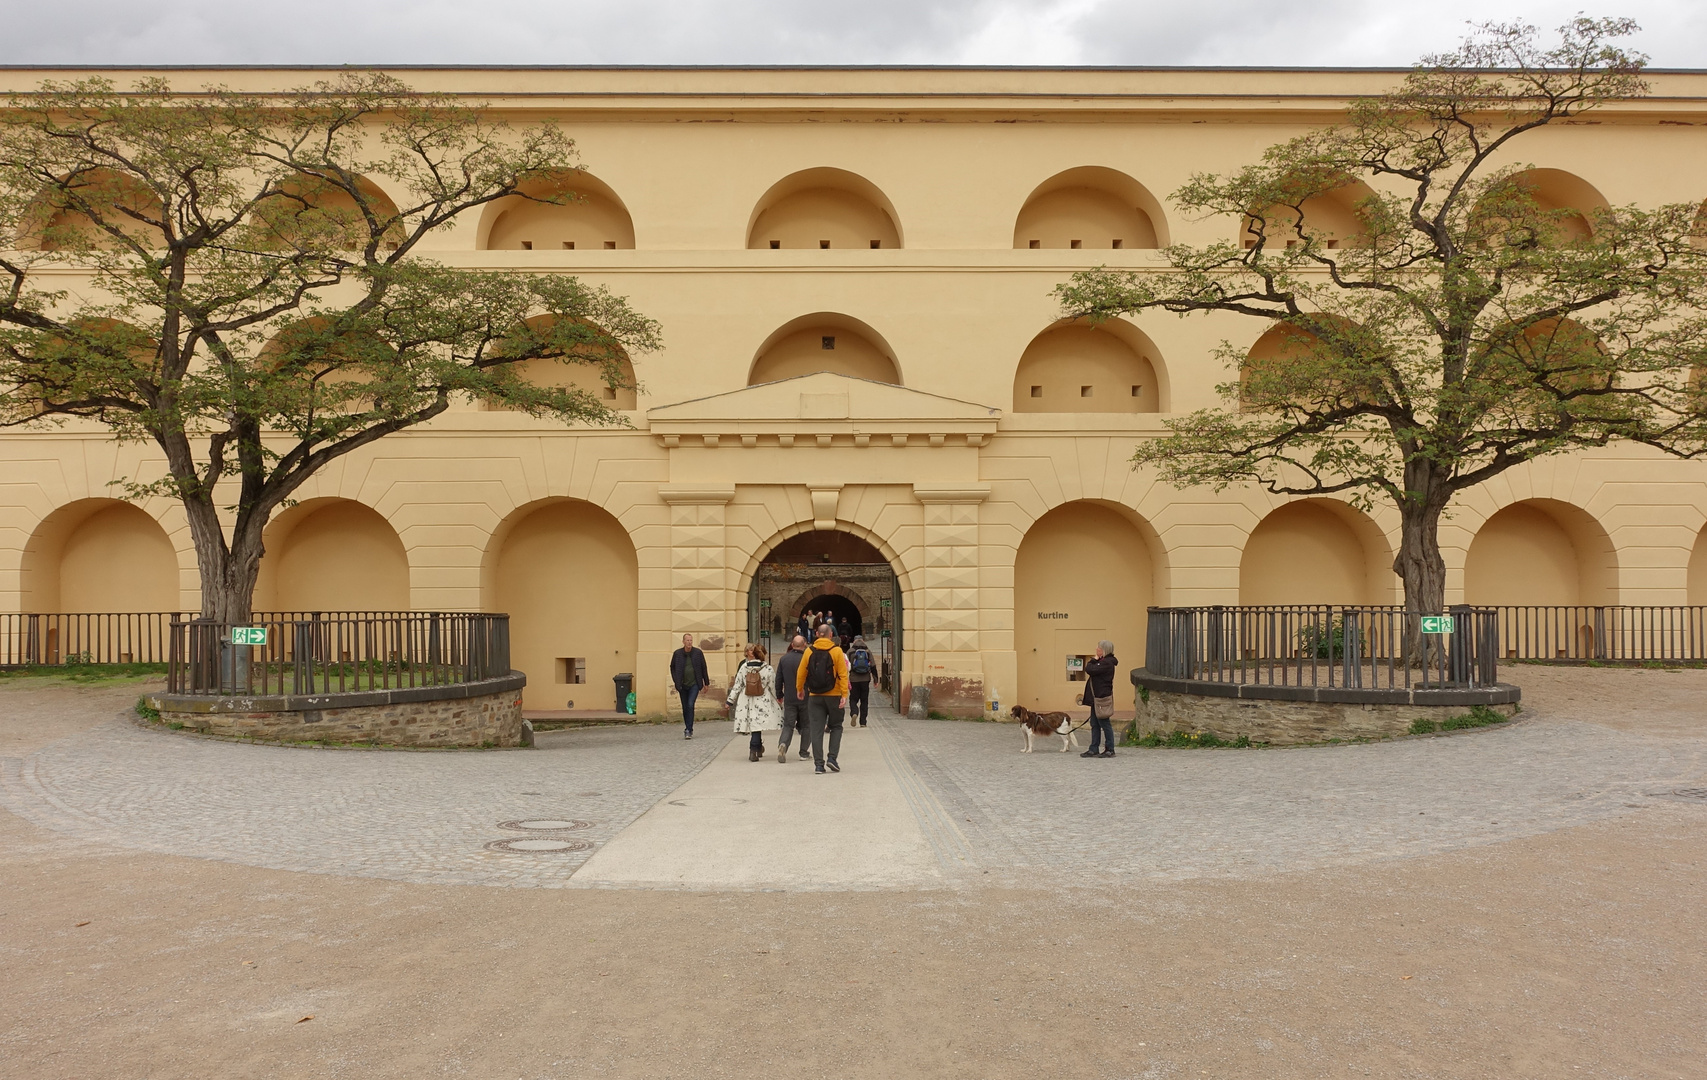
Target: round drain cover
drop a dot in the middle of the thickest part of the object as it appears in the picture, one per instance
(539, 845)
(545, 825)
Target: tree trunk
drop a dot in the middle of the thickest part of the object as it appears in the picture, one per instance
(228, 572)
(1418, 562)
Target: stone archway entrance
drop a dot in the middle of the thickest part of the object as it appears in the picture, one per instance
(828, 571)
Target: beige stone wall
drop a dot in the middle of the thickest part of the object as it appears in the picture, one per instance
(947, 473)
(1286, 723)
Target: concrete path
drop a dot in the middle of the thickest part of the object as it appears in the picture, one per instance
(743, 825)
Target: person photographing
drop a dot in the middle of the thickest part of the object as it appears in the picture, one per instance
(823, 678)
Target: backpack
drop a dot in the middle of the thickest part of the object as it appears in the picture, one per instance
(860, 662)
(755, 684)
(820, 672)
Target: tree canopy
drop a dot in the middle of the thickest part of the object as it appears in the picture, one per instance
(239, 279)
(1438, 312)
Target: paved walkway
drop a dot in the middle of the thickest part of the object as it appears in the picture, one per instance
(918, 804)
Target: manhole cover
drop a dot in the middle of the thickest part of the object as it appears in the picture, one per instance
(540, 845)
(1691, 793)
(545, 825)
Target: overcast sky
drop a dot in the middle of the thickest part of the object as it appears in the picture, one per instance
(1253, 32)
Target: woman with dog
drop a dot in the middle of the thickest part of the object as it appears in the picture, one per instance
(1099, 695)
(752, 701)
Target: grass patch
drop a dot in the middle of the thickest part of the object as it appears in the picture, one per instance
(85, 673)
(1184, 740)
(934, 715)
(146, 710)
(1479, 716)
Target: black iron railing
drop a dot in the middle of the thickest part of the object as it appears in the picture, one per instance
(326, 653)
(1613, 633)
(85, 638)
(1375, 648)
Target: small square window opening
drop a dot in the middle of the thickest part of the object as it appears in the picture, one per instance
(571, 669)
(1135, 389)
(1037, 391)
(610, 245)
(775, 244)
(829, 341)
(1034, 244)
(1084, 391)
(527, 245)
(1075, 243)
(823, 244)
(568, 245)
(1117, 242)
(875, 244)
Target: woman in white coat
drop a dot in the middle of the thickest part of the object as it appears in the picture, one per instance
(752, 700)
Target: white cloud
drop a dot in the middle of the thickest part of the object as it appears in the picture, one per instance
(1146, 32)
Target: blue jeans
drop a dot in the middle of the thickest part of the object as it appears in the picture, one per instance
(689, 695)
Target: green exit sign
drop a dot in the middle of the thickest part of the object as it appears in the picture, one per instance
(1437, 624)
(248, 635)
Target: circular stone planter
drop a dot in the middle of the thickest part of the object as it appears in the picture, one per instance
(484, 713)
(1291, 715)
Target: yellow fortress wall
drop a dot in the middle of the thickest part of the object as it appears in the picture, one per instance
(853, 269)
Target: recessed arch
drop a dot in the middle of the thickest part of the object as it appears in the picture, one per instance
(824, 341)
(1078, 367)
(310, 205)
(1267, 376)
(595, 220)
(51, 223)
(1575, 201)
(567, 573)
(1090, 207)
(332, 554)
(1316, 551)
(99, 555)
(1541, 551)
(1697, 580)
(1330, 219)
(587, 374)
(824, 208)
(1084, 572)
(766, 549)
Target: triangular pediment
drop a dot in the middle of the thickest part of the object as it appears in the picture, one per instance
(826, 397)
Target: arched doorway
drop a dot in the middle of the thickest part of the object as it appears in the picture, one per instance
(828, 571)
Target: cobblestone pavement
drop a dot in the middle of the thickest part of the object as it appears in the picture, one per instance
(991, 814)
(421, 817)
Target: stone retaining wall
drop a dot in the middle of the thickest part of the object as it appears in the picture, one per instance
(1287, 716)
(486, 713)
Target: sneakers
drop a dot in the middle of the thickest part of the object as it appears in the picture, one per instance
(782, 754)
(687, 734)
(818, 769)
(1106, 753)
(1090, 753)
(831, 762)
(805, 753)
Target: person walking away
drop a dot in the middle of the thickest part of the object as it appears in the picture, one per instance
(860, 667)
(791, 701)
(752, 701)
(1099, 695)
(823, 679)
(688, 675)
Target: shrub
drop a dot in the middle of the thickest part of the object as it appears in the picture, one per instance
(1419, 726)
(146, 710)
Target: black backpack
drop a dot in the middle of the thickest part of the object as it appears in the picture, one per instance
(820, 672)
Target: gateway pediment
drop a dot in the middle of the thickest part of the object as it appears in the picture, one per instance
(819, 406)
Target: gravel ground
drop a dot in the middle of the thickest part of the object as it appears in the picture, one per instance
(1569, 947)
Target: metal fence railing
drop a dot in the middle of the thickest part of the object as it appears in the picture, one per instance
(85, 638)
(1354, 648)
(320, 653)
(1614, 633)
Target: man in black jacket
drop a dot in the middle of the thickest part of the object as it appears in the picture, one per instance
(793, 705)
(688, 675)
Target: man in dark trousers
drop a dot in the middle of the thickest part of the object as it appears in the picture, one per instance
(688, 675)
(860, 667)
(823, 678)
(793, 704)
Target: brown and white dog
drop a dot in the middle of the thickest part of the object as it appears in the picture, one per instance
(1043, 725)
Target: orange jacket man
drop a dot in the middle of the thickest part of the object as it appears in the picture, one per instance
(823, 678)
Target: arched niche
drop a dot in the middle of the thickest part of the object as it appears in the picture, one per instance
(1075, 367)
(1268, 377)
(1697, 582)
(1316, 551)
(52, 222)
(594, 220)
(824, 341)
(1330, 219)
(824, 208)
(1552, 191)
(1084, 573)
(567, 573)
(1541, 551)
(99, 555)
(1090, 207)
(309, 207)
(586, 373)
(332, 555)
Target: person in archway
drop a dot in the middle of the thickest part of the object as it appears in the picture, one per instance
(793, 703)
(844, 630)
(1099, 695)
(823, 679)
(752, 701)
(860, 668)
(806, 627)
(689, 676)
